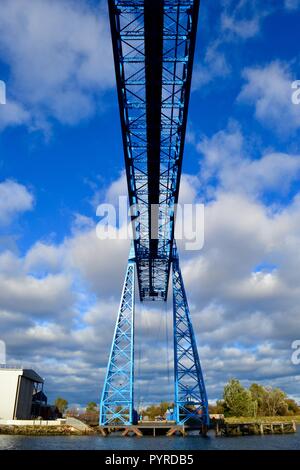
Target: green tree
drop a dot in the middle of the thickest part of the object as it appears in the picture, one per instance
(259, 394)
(157, 410)
(293, 408)
(238, 400)
(73, 412)
(91, 406)
(61, 404)
(152, 411)
(271, 402)
(163, 407)
(218, 408)
(276, 402)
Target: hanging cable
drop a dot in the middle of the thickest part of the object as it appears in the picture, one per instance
(139, 355)
(167, 341)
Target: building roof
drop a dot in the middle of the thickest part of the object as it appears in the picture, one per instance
(28, 373)
(32, 375)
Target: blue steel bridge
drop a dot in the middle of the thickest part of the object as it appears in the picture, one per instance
(153, 46)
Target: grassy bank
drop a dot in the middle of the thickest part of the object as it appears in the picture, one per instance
(42, 431)
(263, 419)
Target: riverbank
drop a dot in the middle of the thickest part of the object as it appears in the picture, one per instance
(69, 430)
(263, 419)
(61, 430)
(255, 429)
(117, 442)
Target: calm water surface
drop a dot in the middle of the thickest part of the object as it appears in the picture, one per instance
(277, 442)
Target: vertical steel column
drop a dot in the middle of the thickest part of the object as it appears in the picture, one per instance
(190, 402)
(116, 406)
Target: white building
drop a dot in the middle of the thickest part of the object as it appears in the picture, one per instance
(17, 387)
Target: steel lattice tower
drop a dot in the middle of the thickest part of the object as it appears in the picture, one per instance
(153, 45)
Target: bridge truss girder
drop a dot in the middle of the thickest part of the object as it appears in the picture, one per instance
(153, 45)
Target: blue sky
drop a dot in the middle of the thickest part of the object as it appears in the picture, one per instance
(61, 154)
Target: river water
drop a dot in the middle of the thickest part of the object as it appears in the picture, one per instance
(273, 442)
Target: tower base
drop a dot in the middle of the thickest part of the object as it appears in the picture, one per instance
(190, 399)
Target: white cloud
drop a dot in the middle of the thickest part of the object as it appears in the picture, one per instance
(244, 29)
(211, 66)
(226, 157)
(82, 223)
(242, 235)
(242, 19)
(268, 90)
(292, 4)
(59, 302)
(43, 257)
(116, 189)
(13, 114)
(59, 54)
(20, 291)
(100, 262)
(189, 187)
(14, 199)
(237, 21)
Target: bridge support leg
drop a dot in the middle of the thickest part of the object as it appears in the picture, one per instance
(116, 406)
(190, 402)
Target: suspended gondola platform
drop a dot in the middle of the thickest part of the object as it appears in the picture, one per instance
(154, 428)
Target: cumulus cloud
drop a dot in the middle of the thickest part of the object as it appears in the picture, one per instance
(213, 65)
(242, 20)
(237, 21)
(13, 114)
(43, 258)
(117, 188)
(59, 55)
(22, 292)
(227, 159)
(292, 4)
(232, 221)
(59, 302)
(244, 290)
(15, 198)
(268, 90)
(101, 263)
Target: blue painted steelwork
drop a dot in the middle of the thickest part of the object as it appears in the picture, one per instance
(116, 404)
(153, 44)
(190, 402)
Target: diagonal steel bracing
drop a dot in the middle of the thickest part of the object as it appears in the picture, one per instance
(190, 402)
(117, 397)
